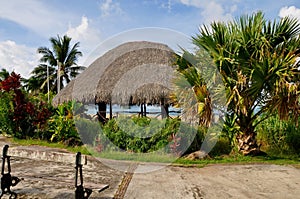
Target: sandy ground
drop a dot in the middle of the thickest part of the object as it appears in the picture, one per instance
(217, 181)
(49, 173)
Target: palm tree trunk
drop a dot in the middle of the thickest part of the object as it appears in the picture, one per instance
(247, 143)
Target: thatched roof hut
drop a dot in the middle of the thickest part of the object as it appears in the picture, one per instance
(134, 72)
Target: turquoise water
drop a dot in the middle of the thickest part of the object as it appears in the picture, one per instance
(117, 109)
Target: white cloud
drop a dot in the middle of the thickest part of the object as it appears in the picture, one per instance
(211, 10)
(290, 11)
(195, 3)
(167, 5)
(215, 12)
(35, 15)
(79, 31)
(108, 8)
(18, 58)
(88, 37)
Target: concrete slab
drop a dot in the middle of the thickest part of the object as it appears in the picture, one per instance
(50, 173)
(217, 181)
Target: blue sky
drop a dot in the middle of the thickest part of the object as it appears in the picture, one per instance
(26, 25)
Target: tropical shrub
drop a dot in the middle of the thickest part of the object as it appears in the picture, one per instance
(62, 126)
(279, 136)
(20, 115)
(191, 139)
(137, 134)
(6, 113)
(88, 130)
(144, 135)
(222, 147)
(230, 129)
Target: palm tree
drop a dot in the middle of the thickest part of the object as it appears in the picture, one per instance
(62, 55)
(257, 60)
(3, 74)
(38, 81)
(190, 81)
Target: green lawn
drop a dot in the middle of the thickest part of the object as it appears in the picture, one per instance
(167, 158)
(29, 142)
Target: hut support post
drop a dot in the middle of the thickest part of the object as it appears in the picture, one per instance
(164, 109)
(102, 112)
(110, 110)
(142, 110)
(145, 111)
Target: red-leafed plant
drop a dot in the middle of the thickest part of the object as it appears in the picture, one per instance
(26, 116)
(12, 82)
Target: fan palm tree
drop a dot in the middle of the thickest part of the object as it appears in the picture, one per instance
(63, 57)
(191, 93)
(257, 60)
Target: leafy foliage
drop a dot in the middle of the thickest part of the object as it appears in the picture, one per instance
(21, 116)
(230, 129)
(257, 60)
(279, 136)
(63, 56)
(6, 113)
(89, 131)
(137, 139)
(145, 135)
(62, 126)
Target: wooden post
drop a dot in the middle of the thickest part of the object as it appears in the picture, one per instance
(145, 111)
(164, 109)
(102, 112)
(110, 110)
(142, 110)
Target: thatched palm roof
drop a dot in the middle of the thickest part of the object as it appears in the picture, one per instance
(141, 71)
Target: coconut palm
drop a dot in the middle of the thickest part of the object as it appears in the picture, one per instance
(3, 74)
(62, 55)
(257, 60)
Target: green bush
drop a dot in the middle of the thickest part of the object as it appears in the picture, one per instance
(62, 126)
(6, 113)
(222, 147)
(21, 115)
(138, 134)
(279, 136)
(88, 130)
(148, 135)
(191, 141)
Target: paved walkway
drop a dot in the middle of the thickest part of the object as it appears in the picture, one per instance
(258, 181)
(49, 173)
